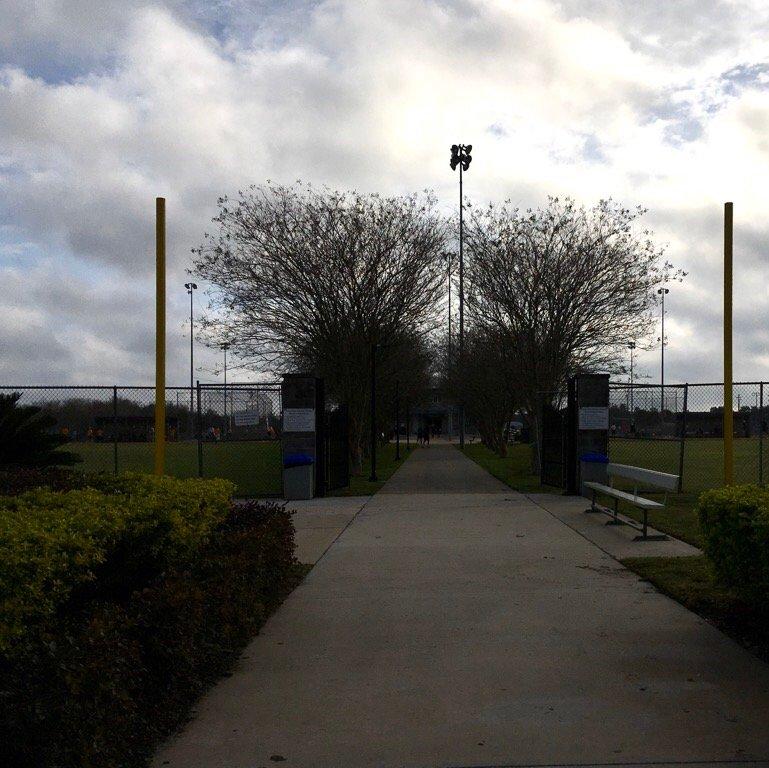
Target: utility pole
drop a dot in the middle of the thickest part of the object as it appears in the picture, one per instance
(663, 292)
(160, 335)
(373, 477)
(190, 288)
(460, 156)
(225, 347)
(728, 407)
(631, 347)
(397, 421)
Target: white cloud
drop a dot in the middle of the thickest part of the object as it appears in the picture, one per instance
(105, 105)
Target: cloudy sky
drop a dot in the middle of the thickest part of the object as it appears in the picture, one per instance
(105, 104)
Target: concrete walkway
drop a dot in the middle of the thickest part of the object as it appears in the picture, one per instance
(457, 623)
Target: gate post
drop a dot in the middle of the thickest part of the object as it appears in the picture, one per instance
(302, 436)
(592, 401)
(572, 487)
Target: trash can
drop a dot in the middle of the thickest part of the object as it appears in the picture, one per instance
(592, 468)
(298, 476)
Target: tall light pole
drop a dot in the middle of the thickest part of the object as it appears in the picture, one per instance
(460, 156)
(662, 292)
(190, 288)
(448, 267)
(225, 347)
(631, 347)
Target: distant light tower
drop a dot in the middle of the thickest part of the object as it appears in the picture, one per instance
(663, 341)
(631, 347)
(225, 346)
(460, 156)
(448, 267)
(190, 288)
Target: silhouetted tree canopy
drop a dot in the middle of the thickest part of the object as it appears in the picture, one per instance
(308, 279)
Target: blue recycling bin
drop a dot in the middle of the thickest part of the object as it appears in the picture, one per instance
(592, 468)
(298, 476)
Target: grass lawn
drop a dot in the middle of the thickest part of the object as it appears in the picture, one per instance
(677, 519)
(254, 466)
(703, 458)
(690, 581)
(513, 470)
(360, 485)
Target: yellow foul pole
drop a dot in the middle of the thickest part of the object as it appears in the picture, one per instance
(728, 416)
(160, 335)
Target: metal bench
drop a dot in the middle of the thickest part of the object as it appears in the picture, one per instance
(648, 477)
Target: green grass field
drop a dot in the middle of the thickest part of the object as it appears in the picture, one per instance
(254, 467)
(703, 468)
(703, 459)
(513, 470)
(360, 485)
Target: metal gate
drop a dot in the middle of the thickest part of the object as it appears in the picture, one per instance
(553, 445)
(557, 438)
(337, 464)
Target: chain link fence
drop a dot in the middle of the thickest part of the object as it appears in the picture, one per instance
(240, 428)
(211, 430)
(679, 429)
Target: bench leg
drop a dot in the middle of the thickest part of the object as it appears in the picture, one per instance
(592, 504)
(615, 520)
(645, 536)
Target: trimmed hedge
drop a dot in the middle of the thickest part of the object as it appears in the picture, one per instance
(735, 524)
(103, 674)
(83, 544)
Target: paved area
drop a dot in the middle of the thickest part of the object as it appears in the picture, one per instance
(457, 623)
(619, 541)
(318, 522)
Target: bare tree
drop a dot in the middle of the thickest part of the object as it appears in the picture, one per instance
(564, 286)
(486, 383)
(308, 279)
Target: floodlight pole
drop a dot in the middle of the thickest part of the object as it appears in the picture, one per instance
(190, 288)
(225, 347)
(631, 347)
(160, 335)
(662, 292)
(728, 415)
(461, 316)
(460, 156)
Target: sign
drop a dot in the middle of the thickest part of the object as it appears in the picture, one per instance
(299, 420)
(594, 418)
(246, 418)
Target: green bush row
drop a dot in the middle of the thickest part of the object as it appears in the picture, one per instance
(735, 525)
(60, 550)
(102, 686)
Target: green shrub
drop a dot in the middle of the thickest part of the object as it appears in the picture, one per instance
(21, 479)
(102, 688)
(735, 524)
(60, 550)
(27, 438)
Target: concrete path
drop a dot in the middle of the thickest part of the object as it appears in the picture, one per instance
(456, 623)
(318, 522)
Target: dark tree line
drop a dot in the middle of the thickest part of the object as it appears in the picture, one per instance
(313, 280)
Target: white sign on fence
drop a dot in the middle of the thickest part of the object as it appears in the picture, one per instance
(299, 420)
(594, 418)
(245, 418)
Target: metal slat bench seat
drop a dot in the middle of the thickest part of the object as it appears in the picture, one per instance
(638, 475)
